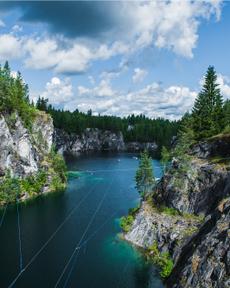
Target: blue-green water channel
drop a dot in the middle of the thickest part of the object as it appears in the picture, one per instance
(91, 207)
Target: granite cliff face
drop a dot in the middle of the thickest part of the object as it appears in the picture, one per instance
(94, 139)
(22, 150)
(197, 235)
(26, 154)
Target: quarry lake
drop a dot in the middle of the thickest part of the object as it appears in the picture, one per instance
(70, 239)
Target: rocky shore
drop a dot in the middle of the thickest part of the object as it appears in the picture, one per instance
(188, 216)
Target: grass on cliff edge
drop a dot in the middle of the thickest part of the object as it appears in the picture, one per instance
(127, 221)
(162, 260)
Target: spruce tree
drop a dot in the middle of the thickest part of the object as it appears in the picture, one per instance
(144, 175)
(207, 113)
(227, 114)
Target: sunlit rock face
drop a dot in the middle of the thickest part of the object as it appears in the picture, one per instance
(21, 149)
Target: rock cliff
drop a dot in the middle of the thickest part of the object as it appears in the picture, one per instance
(26, 159)
(22, 150)
(94, 139)
(188, 217)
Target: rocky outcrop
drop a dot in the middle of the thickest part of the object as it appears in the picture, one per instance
(26, 157)
(200, 249)
(195, 188)
(204, 260)
(93, 139)
(90, 140)
(137, 146)
(21, 149)
(216, 146)
(154, 226)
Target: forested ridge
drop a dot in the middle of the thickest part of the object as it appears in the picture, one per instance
(134, 128)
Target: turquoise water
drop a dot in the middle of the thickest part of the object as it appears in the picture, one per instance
(100, 190)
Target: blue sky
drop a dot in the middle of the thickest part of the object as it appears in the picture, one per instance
(117, 57)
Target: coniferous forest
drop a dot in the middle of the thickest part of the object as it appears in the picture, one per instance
(134, 127)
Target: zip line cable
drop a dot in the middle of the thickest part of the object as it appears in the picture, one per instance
(52, 236)
(77, 248)
(3, 215)
(74, 262)
(98, 229)
(22, 270)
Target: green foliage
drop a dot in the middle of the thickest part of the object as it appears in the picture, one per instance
(134, 128)
(185, 141)
(163, 260)
(9, 189)
(227, 115)
(144, 176)
(42, 104)
(12, 188)
(207, 113)
(14, 96)
(133, 211)
(58, 165)
(126, 222)
(169, 211)
(33, 184)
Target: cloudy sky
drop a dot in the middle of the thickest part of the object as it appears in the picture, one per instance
(117, 57)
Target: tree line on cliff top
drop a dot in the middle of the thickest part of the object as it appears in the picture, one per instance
(209, 116)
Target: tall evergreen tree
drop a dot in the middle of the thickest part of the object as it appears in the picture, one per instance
(227, 113)
(207, 113)
(144, 175)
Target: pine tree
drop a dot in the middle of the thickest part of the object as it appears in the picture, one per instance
(42, 104)
(144, 175)
(207, 113)
(227, 114)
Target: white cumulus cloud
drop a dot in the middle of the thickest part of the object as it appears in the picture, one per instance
(153, 100)
(10, 47)
(224, 85)
(139, 75)
(58, 91)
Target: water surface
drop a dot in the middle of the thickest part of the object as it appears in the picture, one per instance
(88, 212)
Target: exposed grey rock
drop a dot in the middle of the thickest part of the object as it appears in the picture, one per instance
(21, 150)
(151, 226)
(204, 260)
(94, 139)
(217, 146)
(136, 146)
(201, 252)
(196, 189)
(90, 140)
